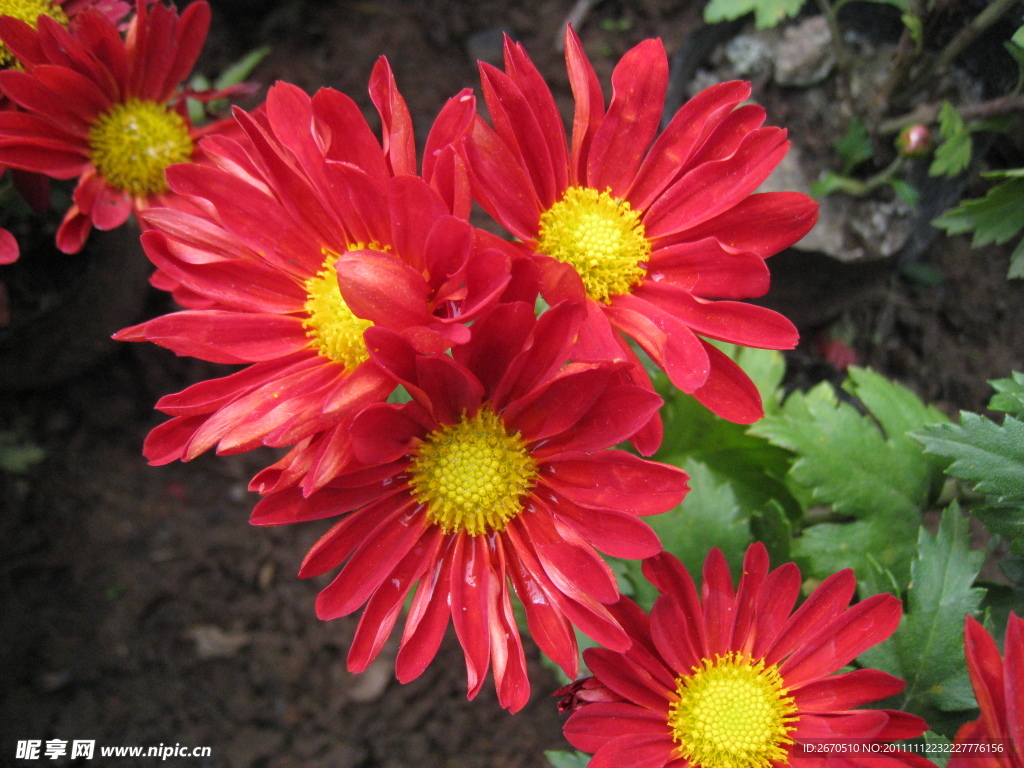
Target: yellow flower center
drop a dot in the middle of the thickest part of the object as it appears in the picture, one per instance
(732, 712)
(28, 11)
(601, 237)
(472, 474)
(333, 329)
(134, 142)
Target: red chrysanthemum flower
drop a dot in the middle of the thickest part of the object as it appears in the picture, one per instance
(107, 110)
(999, 688)
(647, 231)
(494, 474)
(305, 240)
(731, 680)
(64, 12)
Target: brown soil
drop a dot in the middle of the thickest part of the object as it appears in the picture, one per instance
(140, 608)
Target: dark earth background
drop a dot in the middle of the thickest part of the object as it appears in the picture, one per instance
(139, 607)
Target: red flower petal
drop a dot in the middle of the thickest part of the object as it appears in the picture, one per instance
(227, 337)
(846, 691)
(867, 623)
(639, 751)
(715, 187)
(468, 593)
(666, 338)
(719, 601)
(688, 130)
(628, 680)
(399, 141)
(732, 321)
(824, 604)
(385, 604)
(782, 219)
(616, 480)
(615, 533)
(639, 82)
(728, 391)
(428, 616)
(586, 91)
(372, 562)
(594, 725)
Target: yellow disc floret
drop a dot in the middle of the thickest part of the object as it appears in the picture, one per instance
(732, 712)
(28, 11)
(471, 475)
(132, 144)
(599, 236)
(333, 329)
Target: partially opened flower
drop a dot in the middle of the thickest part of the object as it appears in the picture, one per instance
(105, 110)
(305, 239)
(732, 679)
(656, 235)
(496, 478)
(996, 738)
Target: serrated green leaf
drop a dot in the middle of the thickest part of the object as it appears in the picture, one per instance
(897, 410)
(767, 13)
(994, 218)
(987, 456)
(1006, 521)
(562, 759)
(954, 153)
(927, 649)
(1009, 397)
(864, 467)
(825, 548)
(876, 579)
(846, 459)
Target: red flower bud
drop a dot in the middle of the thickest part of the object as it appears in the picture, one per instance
(914, 140)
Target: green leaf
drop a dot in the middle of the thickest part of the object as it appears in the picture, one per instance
(913, 24)
(987, 456)
(709, 516)
(1009, 397)
(767, 13)
(241, 69)
(954, 153)
(904, 191)
(994, 218)
(865, 467)
(772, 528)
(1006, 521)
(1016, 270)
(876, 579)
(17, 453)
(927, 649)
(561, 759)
(940, 757)
(753, 466)
(854, 146)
